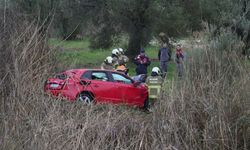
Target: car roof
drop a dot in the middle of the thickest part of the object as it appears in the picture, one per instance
(79, 72)
(114, 71)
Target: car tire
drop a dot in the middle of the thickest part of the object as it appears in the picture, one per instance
(85, 98)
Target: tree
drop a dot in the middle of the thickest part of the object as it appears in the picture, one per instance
(170, 18)
(67, 20)
(102, 24)
(139, 19)
(231, 14)
(136, 21)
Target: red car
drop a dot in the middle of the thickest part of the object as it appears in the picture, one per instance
(98, 86)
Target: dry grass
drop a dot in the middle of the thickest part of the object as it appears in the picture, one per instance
(208, 109)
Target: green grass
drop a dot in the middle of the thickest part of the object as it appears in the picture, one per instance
(76, 44)
(76, 54)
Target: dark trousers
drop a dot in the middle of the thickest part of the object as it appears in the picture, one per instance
(179, 69)
(164, 67)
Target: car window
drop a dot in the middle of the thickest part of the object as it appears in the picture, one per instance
(121, 78)
(101, 76)
(86, 75)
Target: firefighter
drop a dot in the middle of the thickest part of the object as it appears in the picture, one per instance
(108, 63)
(123, 69)
(115, 56)
(154, 83)
(123, 59)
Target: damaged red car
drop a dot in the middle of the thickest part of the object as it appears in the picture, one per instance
(98, 86)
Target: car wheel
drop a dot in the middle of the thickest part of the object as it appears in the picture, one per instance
(86, 98)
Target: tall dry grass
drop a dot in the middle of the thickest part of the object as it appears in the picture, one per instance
(208, 109)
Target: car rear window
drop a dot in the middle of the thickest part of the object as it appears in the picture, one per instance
(61, 76)
(86, 75)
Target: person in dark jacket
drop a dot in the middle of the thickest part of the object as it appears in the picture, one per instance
(164, 56)
(142, 62)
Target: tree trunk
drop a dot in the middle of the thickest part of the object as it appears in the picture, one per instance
(139, 21)
(135, 40)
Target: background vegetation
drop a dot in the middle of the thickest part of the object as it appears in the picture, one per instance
(140, 20)
(207, 109)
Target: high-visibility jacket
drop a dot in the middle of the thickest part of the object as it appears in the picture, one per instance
(107, 66)
(123, 59)
(154, 86)
(122, 68)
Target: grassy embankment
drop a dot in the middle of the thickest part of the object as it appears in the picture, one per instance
(209, 109)
(77, 54)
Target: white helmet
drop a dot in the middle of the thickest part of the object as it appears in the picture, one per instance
(115, 52)
(109, 60)
(156, 70)
(121, 50)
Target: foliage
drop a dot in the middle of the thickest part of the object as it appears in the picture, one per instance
(171, 19)
(105, 19)
(207, 109)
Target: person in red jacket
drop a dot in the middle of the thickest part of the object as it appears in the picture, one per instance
(142, 62)
(179, 58)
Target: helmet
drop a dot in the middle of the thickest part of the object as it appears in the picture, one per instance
(156, 70)
(109, 60)
(121, 50)
(115, 52)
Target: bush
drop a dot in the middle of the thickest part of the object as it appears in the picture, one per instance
(205, 109)
(208, 109)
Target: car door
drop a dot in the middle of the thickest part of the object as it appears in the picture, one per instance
(102, 87)
(129, 93)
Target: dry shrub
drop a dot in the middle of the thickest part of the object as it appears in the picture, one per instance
(25, 61)
(208, 109)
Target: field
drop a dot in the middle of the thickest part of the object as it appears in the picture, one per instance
(77, 54)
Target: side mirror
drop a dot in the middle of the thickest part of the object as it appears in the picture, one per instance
(83, 82)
